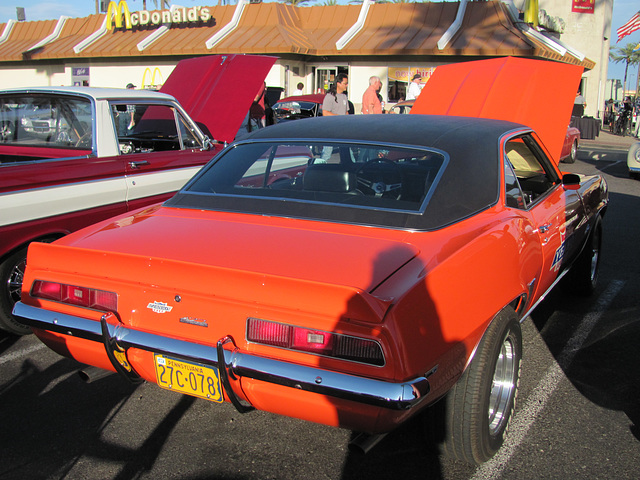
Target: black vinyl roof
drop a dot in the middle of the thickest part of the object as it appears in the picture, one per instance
(438, 131)
(470, 182)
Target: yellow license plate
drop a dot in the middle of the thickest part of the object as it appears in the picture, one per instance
(187, 377)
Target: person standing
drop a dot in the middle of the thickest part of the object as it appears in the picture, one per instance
(299, 90)
(579, 105)
(126, 121)
(257, 110)
(414, 87)
(335, 101)
(370, 101)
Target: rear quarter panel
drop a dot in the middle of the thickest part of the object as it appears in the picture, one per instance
(445, 299)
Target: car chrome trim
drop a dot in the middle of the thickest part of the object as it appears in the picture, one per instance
(395, 396)
(225, 373)
(117, 354)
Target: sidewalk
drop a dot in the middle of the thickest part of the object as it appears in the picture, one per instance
(607, 140)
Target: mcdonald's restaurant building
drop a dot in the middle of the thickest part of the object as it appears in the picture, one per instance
(313, 44)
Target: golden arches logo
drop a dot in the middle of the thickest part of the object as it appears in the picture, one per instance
(154, 82)
(118, 10)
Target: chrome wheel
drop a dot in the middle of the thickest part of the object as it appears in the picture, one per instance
(595, 255)
(14, 282)
(11, 278)
(479, 407)
(503, 386)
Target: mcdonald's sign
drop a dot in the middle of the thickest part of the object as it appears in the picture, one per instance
(118, 14)
(154, 82)
(118, 10)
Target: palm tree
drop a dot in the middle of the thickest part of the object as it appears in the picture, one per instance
(627, 55)
(295, 3)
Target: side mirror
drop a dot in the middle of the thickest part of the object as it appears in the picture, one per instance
(207, 144)
(571, 181)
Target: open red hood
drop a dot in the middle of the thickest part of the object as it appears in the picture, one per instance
(218, 90)
(535, 93)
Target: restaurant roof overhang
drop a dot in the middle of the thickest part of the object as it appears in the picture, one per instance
(433, 31)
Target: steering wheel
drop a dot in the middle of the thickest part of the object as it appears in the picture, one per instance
(380, 177)
(84, 141)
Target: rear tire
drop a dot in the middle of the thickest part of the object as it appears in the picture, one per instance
(11, 275)
(480, 405)
(583, 276)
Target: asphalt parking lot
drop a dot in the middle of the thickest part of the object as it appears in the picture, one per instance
(578, 412)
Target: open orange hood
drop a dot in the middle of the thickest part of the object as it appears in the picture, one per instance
(535, 93)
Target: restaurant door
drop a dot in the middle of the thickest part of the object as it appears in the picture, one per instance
(326, 76)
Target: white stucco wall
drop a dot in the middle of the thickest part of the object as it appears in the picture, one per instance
(43, 75)
(590, 34)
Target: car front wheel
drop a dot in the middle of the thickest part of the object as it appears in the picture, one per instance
(480, 405)
(571, 158)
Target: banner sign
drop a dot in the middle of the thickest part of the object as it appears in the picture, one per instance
(80, 76)
(119, 16)
(583, 6)
(404, 74)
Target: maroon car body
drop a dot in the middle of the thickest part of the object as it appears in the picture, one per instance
(72, 156)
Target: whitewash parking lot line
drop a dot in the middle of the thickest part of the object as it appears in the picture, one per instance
(606, 167)
(23, 352)
(525, 417)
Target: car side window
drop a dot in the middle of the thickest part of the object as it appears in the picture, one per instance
(524, 162)
(145, 128)
(513, 193)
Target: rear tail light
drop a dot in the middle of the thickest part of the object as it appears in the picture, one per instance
(302, 339)
(73, 295)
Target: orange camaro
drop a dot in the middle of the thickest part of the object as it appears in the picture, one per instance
(347, 270)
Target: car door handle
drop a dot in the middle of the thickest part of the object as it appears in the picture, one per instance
(138, 164)
(544, 228)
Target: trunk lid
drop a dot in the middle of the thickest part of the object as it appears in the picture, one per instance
(169, 269)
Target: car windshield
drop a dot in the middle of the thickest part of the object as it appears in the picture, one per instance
(46, 121)
(363, 176)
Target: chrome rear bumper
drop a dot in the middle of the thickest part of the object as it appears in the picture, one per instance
(396, 396)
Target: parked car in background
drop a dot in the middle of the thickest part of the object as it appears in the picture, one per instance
(72, 156)
(402, 107)
(633, 160)
(570, 145)
(346, 270)
(298, 107)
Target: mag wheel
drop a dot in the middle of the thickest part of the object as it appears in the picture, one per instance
(574, 152)
(583, 276)
(11, 275)
(481, 404)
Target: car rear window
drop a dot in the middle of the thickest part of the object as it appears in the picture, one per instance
(364, 176)
(46, 121)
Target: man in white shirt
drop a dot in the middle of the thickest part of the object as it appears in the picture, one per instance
(414, 87)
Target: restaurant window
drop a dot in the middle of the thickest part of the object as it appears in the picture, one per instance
(399, 78)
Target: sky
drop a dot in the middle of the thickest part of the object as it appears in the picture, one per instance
(623, 10)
